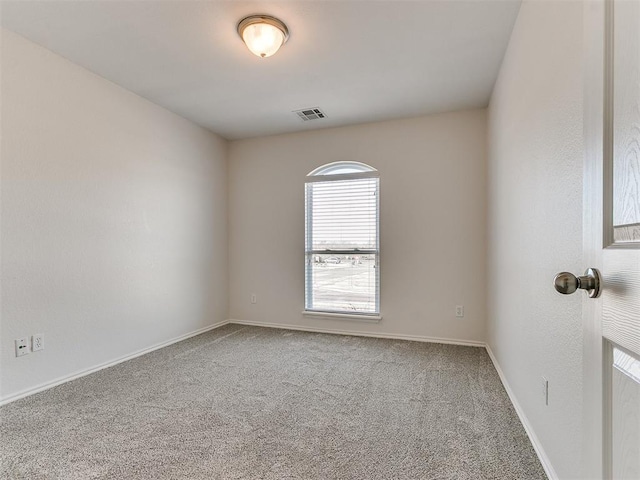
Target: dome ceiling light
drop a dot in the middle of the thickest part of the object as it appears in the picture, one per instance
(263, 34)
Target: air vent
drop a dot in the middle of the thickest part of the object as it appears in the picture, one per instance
(312, 113)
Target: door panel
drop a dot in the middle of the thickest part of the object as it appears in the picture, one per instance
(625, 391)
(621, 258)
(626, 121)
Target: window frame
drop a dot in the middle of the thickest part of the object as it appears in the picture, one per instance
(323, 174)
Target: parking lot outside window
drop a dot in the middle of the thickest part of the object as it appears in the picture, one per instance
(342, 274)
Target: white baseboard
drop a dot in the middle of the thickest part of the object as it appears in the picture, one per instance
(82, 373)
(413, 338)
(544, 460)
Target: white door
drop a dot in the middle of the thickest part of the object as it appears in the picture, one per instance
(612, 239)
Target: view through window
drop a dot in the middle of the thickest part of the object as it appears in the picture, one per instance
(341, 241)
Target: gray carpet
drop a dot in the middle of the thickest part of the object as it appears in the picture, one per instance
(256, 403)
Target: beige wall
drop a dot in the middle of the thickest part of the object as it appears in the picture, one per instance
(535, 223)
(113, 219)
(432, 181)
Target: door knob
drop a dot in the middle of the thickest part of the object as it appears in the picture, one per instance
(567, 283)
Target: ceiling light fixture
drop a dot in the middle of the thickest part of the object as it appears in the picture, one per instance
(263, 34)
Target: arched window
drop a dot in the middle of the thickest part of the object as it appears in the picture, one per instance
(342, 239)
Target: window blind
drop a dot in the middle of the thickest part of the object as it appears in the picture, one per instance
(341, 244)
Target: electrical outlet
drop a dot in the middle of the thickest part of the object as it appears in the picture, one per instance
(37, 342)
(254, 299)
(545, 390)
(459, 311)
(22, 347)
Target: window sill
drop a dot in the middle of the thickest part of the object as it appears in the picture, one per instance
(345, 316)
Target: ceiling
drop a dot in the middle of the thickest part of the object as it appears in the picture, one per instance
(359, 61)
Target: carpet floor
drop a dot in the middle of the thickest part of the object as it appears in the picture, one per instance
(244, 402)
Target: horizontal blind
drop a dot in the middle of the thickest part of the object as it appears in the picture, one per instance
(342, 215)
(342, 245)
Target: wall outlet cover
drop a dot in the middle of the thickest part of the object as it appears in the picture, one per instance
(37, 342)
(22, 347)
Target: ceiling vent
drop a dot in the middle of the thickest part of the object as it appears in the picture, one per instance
(312, 113)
